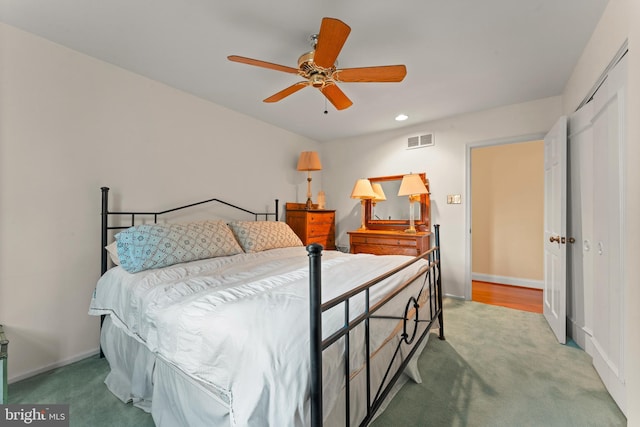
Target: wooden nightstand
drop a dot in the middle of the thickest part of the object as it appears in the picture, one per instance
(386, 242)
(312, 225)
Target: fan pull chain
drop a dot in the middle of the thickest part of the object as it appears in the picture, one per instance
(325, 106)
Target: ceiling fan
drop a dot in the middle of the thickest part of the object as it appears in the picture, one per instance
(318, 67)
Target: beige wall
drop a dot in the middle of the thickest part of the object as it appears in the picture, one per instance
(507, 184)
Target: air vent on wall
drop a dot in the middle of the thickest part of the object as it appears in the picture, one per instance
(420, 141)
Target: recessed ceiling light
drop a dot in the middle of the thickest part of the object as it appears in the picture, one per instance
(401, 117)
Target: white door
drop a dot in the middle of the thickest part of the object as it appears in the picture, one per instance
(555, 225)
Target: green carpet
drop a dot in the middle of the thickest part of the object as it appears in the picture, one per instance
(497, 367)
(81, 385)
(501, 367)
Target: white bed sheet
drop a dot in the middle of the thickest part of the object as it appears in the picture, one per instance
(239, 325)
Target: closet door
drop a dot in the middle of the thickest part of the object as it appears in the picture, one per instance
(608, 211)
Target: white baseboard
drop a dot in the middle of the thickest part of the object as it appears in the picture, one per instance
(58, 364)
(504, 280)
(581, 335)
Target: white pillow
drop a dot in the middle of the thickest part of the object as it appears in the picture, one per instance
(113, 252)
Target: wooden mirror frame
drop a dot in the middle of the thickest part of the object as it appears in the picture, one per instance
(422, 223)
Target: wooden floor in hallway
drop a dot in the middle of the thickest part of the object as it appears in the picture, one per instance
(519, 298)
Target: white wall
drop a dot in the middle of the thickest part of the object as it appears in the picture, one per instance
(70, 124)
(346, 160)
(606, 40)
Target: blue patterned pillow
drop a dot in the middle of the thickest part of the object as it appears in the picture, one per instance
(147, 246)
(256, 236)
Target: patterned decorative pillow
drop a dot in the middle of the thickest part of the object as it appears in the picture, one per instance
(147, 246)
(256, 236)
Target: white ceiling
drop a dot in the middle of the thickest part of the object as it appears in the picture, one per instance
(461, 55)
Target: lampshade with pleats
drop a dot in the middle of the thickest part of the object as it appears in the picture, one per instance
(309, 161)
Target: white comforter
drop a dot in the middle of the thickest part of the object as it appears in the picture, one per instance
(241, 323)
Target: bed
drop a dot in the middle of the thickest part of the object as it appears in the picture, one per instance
(248, 327)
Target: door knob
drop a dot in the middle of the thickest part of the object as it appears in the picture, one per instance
(554, 239)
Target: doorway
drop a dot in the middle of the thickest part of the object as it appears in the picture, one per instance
(505, 186)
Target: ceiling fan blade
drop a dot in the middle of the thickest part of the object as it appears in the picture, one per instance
(336, 97)
(385, 73)
(286, 92)
(263, 64)
(333, 33)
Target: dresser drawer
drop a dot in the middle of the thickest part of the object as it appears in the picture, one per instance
(314, 230)
(388, 242)
(321, 218)
(383, 249)
(384, 240)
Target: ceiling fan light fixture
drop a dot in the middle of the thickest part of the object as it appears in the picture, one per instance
(317, 80)
(305, 58)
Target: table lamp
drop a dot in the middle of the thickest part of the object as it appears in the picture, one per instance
(363, 191)
(412, 186)
(309, 161)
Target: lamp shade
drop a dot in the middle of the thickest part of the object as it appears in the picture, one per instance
(412, 184)
(309, 161)
(363, 190)
(380, 196)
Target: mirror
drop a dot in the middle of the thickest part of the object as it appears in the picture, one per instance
(393, 213)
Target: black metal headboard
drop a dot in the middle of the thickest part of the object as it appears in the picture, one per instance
(106, 214)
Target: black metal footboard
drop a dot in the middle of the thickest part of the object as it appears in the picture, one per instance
(409, 337)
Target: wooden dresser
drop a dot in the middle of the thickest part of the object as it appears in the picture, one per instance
(388, 242)
(312, 225)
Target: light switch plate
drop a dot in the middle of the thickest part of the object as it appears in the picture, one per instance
(454, 199)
